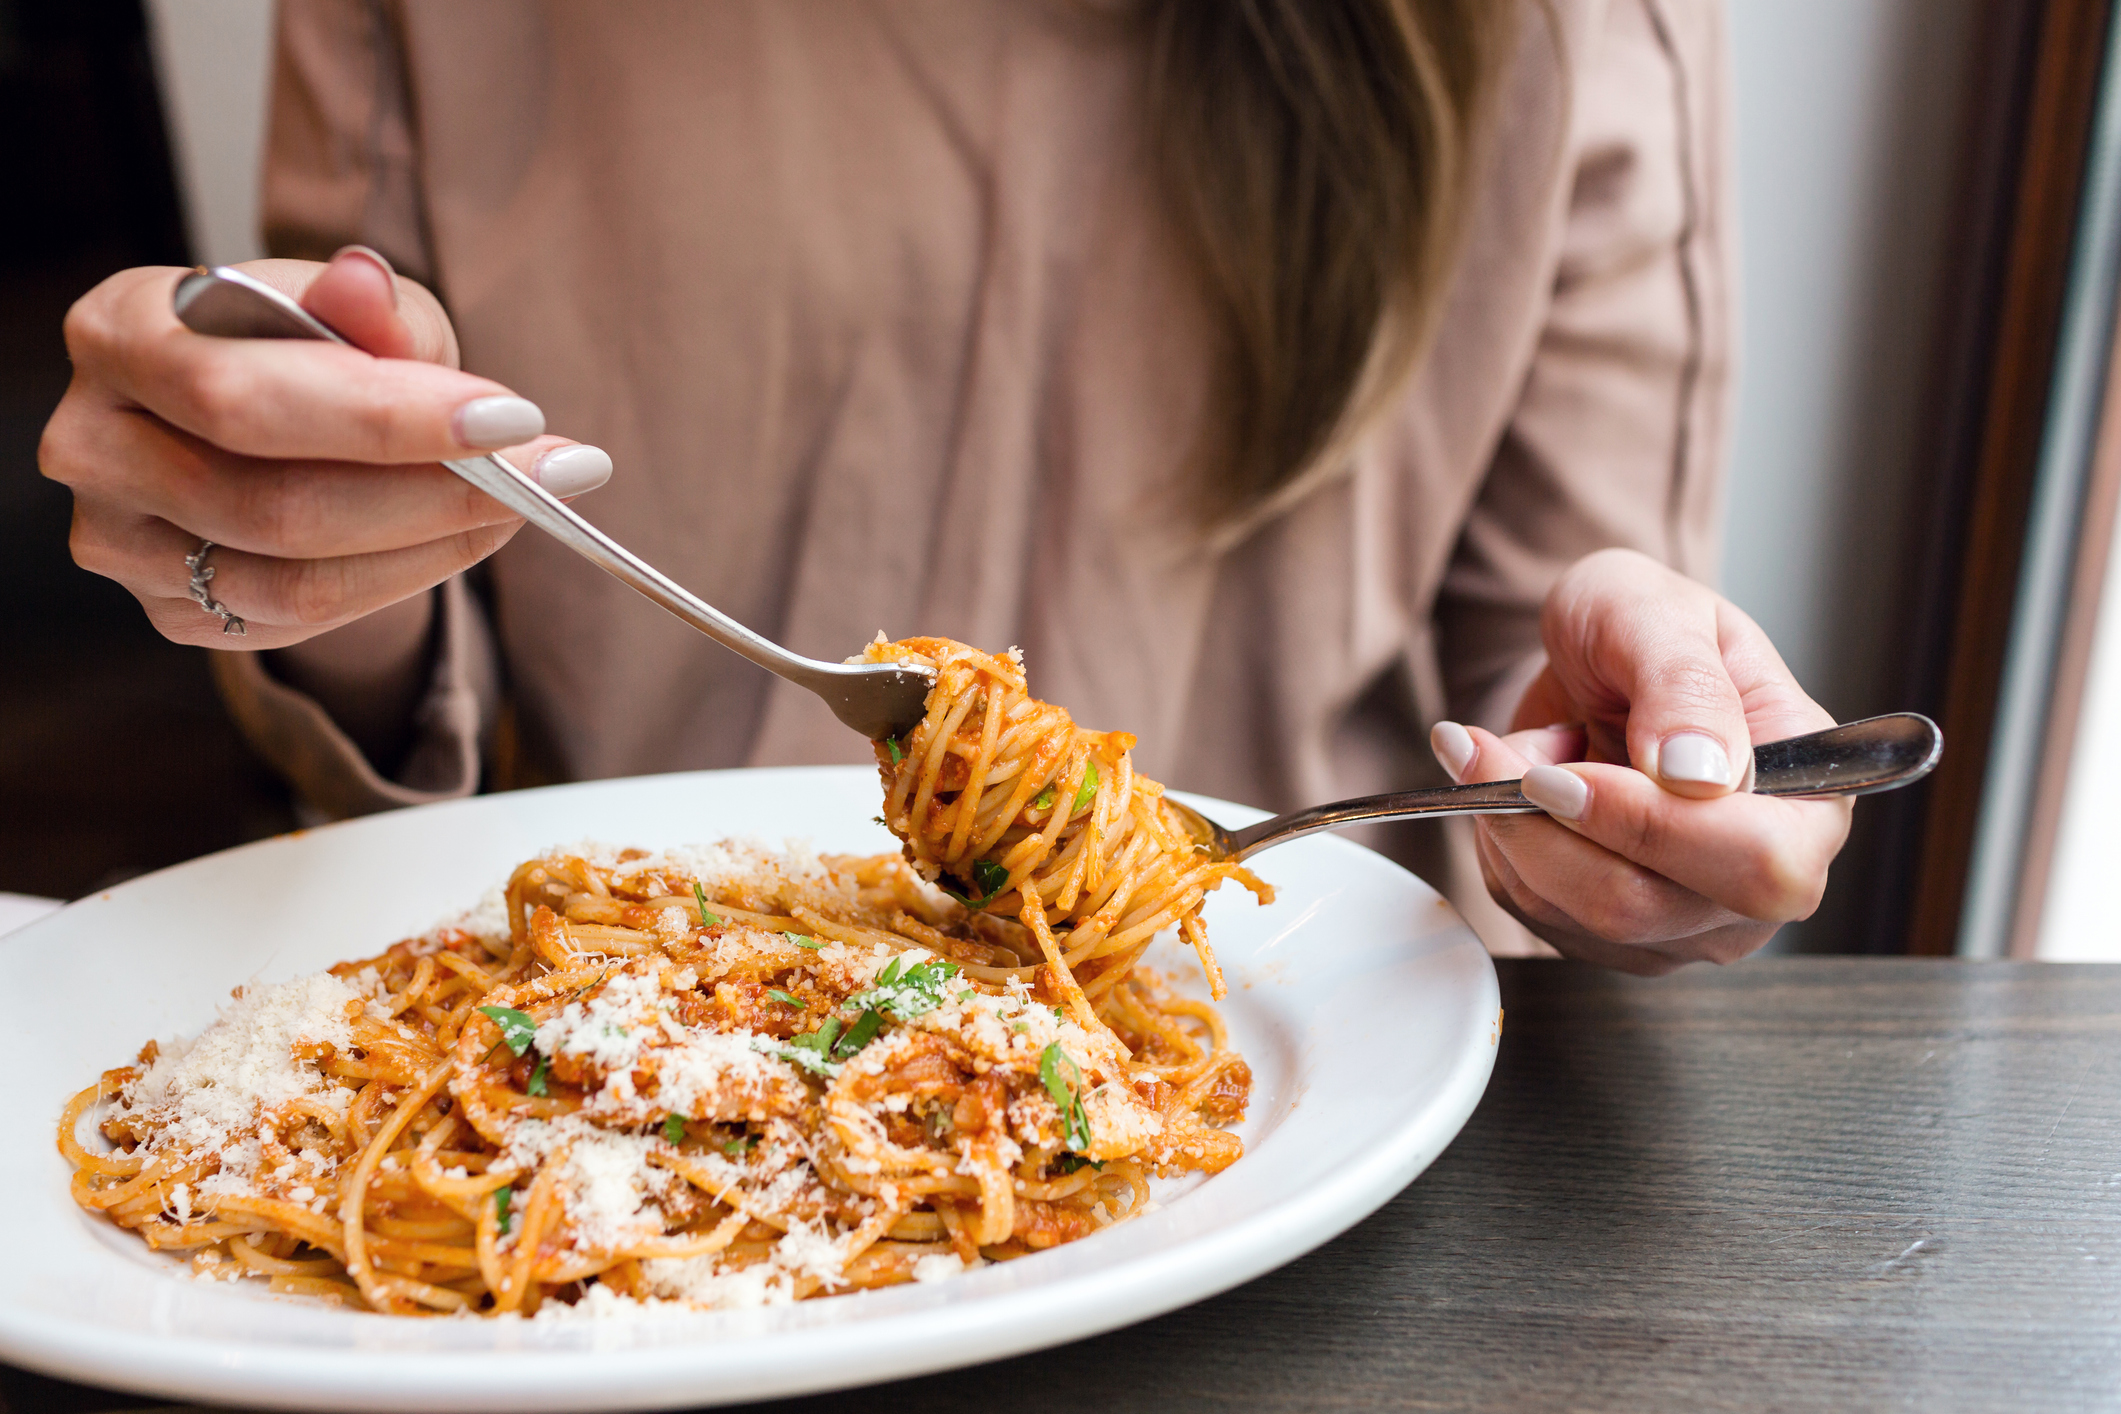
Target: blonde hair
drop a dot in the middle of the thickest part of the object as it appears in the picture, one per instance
(1317, 154)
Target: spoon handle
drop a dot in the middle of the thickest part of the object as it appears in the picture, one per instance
(1858, 758)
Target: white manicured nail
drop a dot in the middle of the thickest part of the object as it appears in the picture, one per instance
(1560, 793)
(491, 423)
(375, 258)
(1453, 746)
(569, 471)
(1690, 756)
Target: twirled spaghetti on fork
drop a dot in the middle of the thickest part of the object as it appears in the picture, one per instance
(1003, 798)
(717, 1075)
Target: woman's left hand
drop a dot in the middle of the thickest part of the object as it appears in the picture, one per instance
(1637, 741)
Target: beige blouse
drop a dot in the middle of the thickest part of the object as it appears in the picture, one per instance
(871, 304)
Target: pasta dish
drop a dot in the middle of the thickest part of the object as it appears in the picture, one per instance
(721, 1075)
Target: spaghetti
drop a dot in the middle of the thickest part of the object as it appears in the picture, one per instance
(718, 1076)
(1004, 800)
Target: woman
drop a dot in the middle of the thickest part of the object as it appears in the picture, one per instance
(1286, 377)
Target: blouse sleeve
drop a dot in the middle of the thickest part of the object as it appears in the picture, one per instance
(340, 169)
(1619, 435)
(454, 717)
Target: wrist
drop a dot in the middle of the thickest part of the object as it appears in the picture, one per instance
(369, 675)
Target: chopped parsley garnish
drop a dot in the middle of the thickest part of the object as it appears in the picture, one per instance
(739, 1147)
(813, 1049)
(673, 1128)
(1084, 793)
(907, 992)
(1069, 1163)
(787, 999)
(899, 991)
(536, 1085)
(986, 875)
(896, 754)
(859, 1035)
(1064, 1083)
(517, 1029)
(502, 1197)
(800, 941)
(707, 920)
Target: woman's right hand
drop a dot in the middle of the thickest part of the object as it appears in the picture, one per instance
(313, 468)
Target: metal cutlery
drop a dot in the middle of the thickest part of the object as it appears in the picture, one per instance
(876, 699)
(1857, 758)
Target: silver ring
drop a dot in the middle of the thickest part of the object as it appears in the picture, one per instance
(202, 575)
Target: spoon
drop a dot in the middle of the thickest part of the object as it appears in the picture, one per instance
(877, 699)
(1858, 758)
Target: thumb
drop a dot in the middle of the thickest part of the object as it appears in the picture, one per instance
(1686, 719)
(1629, 635)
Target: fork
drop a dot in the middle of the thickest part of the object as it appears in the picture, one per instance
(878, 700)
(1856, 758)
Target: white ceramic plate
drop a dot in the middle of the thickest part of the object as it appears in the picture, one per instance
(1367, 1008)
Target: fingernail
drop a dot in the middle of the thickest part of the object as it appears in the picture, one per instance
(491, 423)
(1453, 746)
(569, 471)
(375, 257)
(1562, 794)
(1691, 756)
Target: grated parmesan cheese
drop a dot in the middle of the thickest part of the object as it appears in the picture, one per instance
(487, 919)
(200, 1093)
(609, 1186)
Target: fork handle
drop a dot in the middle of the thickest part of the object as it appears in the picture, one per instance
(1481, 798)
(230, 303)
(1855, 758)
(493, 475)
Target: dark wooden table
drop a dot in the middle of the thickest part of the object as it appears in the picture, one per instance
(1794, 1183)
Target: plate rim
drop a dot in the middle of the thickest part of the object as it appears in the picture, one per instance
(992, 1327)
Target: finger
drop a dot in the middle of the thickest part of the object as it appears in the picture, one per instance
(1686, 930)
(1761, 857)
(356, 295)
(1650, 639)
(1508, 887)
(1456, 752)
(1724, 944)
(281, 600)
(1548, 746)
(1565, 883)
(283, 397)
(1545, 699)
(294, 509)
(1731, 942)
(1775, 706)
(1567, 880)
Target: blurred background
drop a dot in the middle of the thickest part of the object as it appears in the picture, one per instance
(1925, 466)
